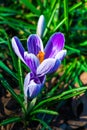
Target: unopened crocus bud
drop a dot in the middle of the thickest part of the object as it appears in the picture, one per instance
(41, 25)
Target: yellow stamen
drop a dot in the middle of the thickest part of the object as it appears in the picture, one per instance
(40, 56)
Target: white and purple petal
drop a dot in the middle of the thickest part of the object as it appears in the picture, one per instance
(61, 55)
(34, 44)
(27, 80)
(32, 61)
(54, 45)
(47, 66)
(56, 66)
(41, 25)
(18, 48)
(33, 88)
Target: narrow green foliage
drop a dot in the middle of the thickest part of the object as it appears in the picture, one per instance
(60, 24)
(31, 105)
(11, 52)
(43, 123)
(50, 20)
(31, 6)
(62, 95)
(66, 14)
(72, 50)
(2, 41)
(4, 11)
(75, 6)
(4, 67)
(44, 111)
(10, 120)
(20, 75)
(15, 96)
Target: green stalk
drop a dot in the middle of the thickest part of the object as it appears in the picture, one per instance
(11, 51)
(75, 6)
(15, 96)
(66, 94)
(66, 14)
(50, 20)
(20, 76)
(61, 23)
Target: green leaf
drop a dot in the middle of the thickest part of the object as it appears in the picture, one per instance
(45, 125)
(72, 95)
(60, 96)
(75, 6)
(31, 105)
(60, 24)
(72, 50)
(50, 20)
(4, 67)
(8, 10)
(44, 111)
(10, 49)
(31, 6)
(10, 120)
(83, 43)
(2, 41)
(66, 13)
(17, 24)
(20, 75)
(1, 77)
(15, 96)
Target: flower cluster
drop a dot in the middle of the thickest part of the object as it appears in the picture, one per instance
(39, 60)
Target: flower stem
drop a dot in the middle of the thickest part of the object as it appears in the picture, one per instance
(20, 76)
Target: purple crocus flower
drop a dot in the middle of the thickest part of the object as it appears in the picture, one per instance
(40, 61)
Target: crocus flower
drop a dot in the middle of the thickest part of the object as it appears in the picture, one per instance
(41, 25)
(40, 61)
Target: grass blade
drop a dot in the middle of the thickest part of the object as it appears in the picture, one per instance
(31, 7)
(45, 125)
(44, 111)
(75, 6)
(59, 97)
(4, 67)
(20, 75)
(10, 120)
(15, 96)
(66, 13)
(50, 20)
(60, 24)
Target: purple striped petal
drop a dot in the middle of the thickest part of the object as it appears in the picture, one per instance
(61, 55)
(47, 66)
(56, 66)
(34, 44)
(31, 61)
(31, 87)
(18, 48)
(54, 45)
(27, 80)
(26, 83)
